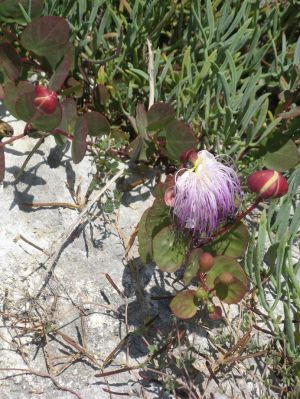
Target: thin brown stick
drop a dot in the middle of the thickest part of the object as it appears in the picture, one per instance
(52, 204)
(44, 375)
(79, 347)
(20, 237)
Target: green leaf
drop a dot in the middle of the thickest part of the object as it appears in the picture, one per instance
(97, 123)
(47, 36)
(183, 304)
(159, 115)
(211, 21)
(47, 122)
(79, 144)
(260, 121)
(236, 290)
(69, 115)
(297, 52)
(145, 241)
(13, 92)
(283, 158)
(234, 243)
(10, 10)
(157, 218)
(62, 71)
(169, 249)
(9, 61)
(192, 266)
(179, 137)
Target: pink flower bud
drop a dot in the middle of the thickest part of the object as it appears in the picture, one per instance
(268, 184)
(188, 156)
(45, 100)
(169, 197)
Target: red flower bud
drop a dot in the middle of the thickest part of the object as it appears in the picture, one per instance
(188, 156)
(45, 100)
(268, 184)
(206, 262)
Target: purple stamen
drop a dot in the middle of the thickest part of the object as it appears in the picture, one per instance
(206, 195)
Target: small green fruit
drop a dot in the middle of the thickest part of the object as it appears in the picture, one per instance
(201, 294)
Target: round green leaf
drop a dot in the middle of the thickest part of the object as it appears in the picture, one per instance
(179, 137)
(145, 241)
(284, 158)
(157, 218)
(233, 292)
(234, 243)
(183, 304)
(9, 61)
(13, 93)
(159, 115)
(46, 35)
(169, 249)
(97, 123)
(47, 122)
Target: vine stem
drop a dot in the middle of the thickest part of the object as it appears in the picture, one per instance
(11, 139)
(30, 155)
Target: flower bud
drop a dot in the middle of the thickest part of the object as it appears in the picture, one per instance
(268, 184)
(206, 262)
(45, 100)
(188, 156)
(215, 313)
(169, 197)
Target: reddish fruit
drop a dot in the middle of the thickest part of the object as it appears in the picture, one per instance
(268, 184)
(45, 100)
(216, 313)
(169, 196)
(206, 262)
